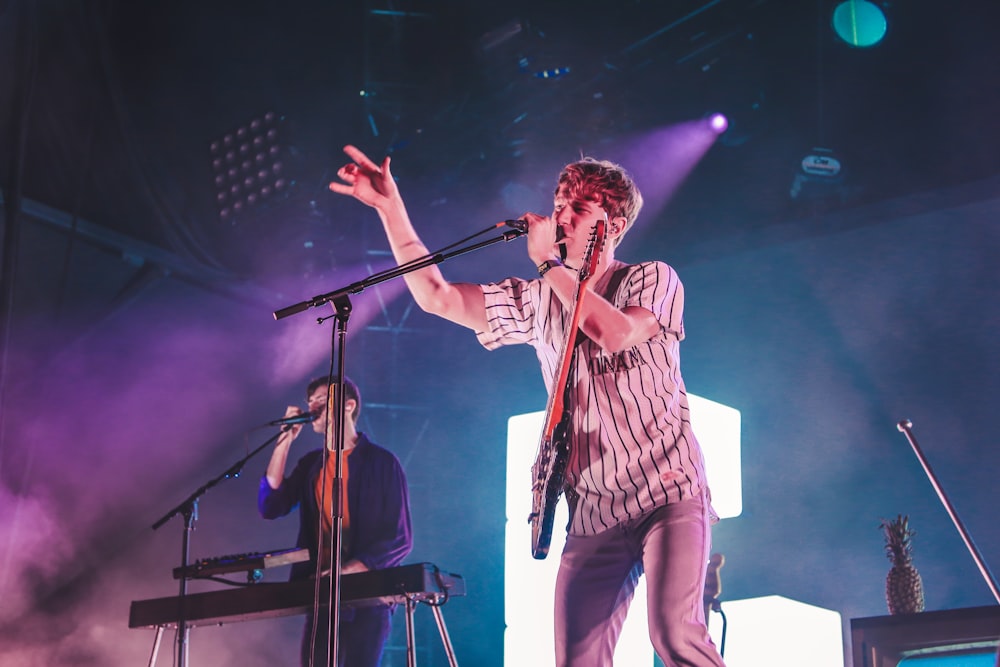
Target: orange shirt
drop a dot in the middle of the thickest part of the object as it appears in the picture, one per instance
(324, 499)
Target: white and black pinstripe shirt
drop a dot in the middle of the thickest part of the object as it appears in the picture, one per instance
(631, 444)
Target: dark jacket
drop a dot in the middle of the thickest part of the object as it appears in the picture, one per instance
(377, 499)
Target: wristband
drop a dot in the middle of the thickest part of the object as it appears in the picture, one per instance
(548, 264)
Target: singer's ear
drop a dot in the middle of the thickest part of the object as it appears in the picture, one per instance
(617, 225)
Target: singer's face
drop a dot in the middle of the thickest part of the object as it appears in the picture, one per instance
(575, 219)
(317, 405)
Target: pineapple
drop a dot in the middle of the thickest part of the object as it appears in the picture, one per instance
(904, 591)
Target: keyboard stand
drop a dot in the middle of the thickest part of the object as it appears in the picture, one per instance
(406, 585)
(411, 645)
(411, 648)
(156, 645)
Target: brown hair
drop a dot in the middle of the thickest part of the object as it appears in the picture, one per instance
(603, 182)
(350, 391)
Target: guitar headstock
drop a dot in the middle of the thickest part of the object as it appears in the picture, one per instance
(594, 246)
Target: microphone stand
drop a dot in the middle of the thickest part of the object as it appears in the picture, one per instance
(395, 272)
(189, 509)
(905, 427)
(341, 303)
(342, 309)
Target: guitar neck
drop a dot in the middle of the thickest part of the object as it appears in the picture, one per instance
(554, 412)
(557, 396)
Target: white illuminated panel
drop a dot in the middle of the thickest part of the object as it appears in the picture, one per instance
(717, 428)
(529, 583)
(778, 632)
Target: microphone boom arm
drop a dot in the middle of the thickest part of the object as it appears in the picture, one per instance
(397, 271)
(232, 471)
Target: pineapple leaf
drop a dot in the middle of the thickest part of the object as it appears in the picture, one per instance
(898, 539)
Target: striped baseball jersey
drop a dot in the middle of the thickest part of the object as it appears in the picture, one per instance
(631, 444)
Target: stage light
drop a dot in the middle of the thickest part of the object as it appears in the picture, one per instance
(740, 120)
(718, 123)
(247, 166)
(553, 73)
(859, 23)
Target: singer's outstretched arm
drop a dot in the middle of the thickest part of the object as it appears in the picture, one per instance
(613, 329)
(373, 185)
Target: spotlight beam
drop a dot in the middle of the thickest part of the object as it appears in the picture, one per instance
(662, 160)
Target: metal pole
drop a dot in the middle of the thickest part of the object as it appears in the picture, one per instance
(156, 645)
(445, 639)
(904, 426)
(411, 648)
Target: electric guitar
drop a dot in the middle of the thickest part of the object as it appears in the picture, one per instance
(549, 470)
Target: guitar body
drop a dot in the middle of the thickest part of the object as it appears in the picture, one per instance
(549, 470)
(547, 486)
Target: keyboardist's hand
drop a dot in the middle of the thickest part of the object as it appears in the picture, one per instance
(352, 566)
(279, 457)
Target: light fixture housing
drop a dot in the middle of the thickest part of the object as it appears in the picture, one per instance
(859, 23)
(820, 173)
(248, 166)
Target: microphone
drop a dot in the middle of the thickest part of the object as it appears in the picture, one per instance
(519, 225)
(303, 418)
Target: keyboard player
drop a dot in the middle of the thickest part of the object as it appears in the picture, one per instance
(376, 530)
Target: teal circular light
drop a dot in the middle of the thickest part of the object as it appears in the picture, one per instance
(859, 23)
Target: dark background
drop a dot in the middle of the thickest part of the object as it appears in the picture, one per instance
(139, 347)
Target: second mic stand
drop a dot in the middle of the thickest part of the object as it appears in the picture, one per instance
(188, 508)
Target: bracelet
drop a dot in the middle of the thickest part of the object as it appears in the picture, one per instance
(548, 264)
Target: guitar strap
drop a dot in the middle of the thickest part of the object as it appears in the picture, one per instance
(610, 290)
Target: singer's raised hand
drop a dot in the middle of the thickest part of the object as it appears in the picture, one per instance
(279, 457)
(366, 181)
(290, 431)
(542, 237)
